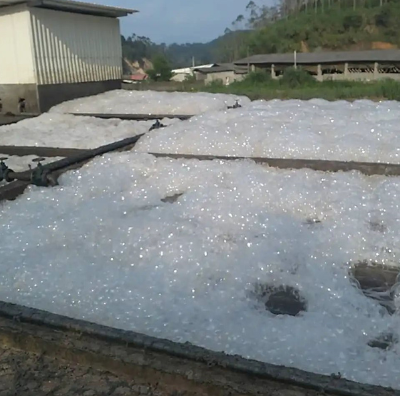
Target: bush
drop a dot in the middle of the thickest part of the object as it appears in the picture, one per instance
(216, 84)
(390, 89)
(384, 17)
(352, 22)
(161, 69)
(190, 78)
(258, 77)
(294, 78)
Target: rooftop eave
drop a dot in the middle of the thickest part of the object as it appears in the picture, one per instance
(85, 8)
(72, 6)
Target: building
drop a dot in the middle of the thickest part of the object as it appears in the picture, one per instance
(180, 75)
(346, 65)
(225, 73)
(56, 50)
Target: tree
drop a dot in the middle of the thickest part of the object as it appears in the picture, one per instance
(161, 69)
(352, 21)
(384, 17)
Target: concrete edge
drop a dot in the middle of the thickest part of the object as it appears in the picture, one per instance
(366, 168)
(191, 352)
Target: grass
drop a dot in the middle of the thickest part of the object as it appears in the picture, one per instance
(297, 84)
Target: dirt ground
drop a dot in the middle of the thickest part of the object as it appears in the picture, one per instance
(26, 374)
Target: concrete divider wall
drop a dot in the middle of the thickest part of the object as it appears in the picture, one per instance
(139, 364)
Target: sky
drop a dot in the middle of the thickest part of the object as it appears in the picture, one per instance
(180, 21)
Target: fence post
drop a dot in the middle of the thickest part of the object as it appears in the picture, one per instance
(319, 73)
(346, 69)
(376, 70)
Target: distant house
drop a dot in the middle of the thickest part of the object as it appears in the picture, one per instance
(181, 74)
(343, 65)
(226, 73)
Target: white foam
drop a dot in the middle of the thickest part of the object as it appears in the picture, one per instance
(68, 131)
(315, 129)
(149, 102)
(103, 247)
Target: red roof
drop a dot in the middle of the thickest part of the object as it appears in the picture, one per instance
(138, 77)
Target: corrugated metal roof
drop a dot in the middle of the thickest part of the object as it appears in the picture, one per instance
(324, 57)
(221, 67)
(72, 6)
(190, 69)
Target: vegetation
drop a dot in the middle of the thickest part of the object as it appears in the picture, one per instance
(223, 49)
(161, 70)
(339, 25)
(138, 48)
(298, 84)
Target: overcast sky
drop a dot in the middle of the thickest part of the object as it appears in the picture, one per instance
(180, 21)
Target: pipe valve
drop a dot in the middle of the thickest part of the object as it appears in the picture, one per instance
(4, 170)
(157, 125)
(236, 105)
(39, 174)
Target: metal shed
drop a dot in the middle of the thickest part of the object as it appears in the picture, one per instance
(314, 58)
(335, 65)
(52, 51)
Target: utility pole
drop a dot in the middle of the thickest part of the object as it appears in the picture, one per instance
(248, 60)
(295, 59)
(193, 61)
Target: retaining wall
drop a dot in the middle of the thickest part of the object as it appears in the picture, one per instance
(41, 352)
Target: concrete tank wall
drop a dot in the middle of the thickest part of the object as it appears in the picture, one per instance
(62, 356)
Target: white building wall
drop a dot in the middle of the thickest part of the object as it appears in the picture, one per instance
(74, 48)
(16, 61)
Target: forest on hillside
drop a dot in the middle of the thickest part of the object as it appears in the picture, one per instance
(302, 25)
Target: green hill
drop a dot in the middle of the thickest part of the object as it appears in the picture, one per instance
(223, 49)
(340, 25)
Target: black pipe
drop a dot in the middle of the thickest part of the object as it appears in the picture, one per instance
(48, 169)
(134, 117)
(22, 151)
(89, 154)
(12, 190)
